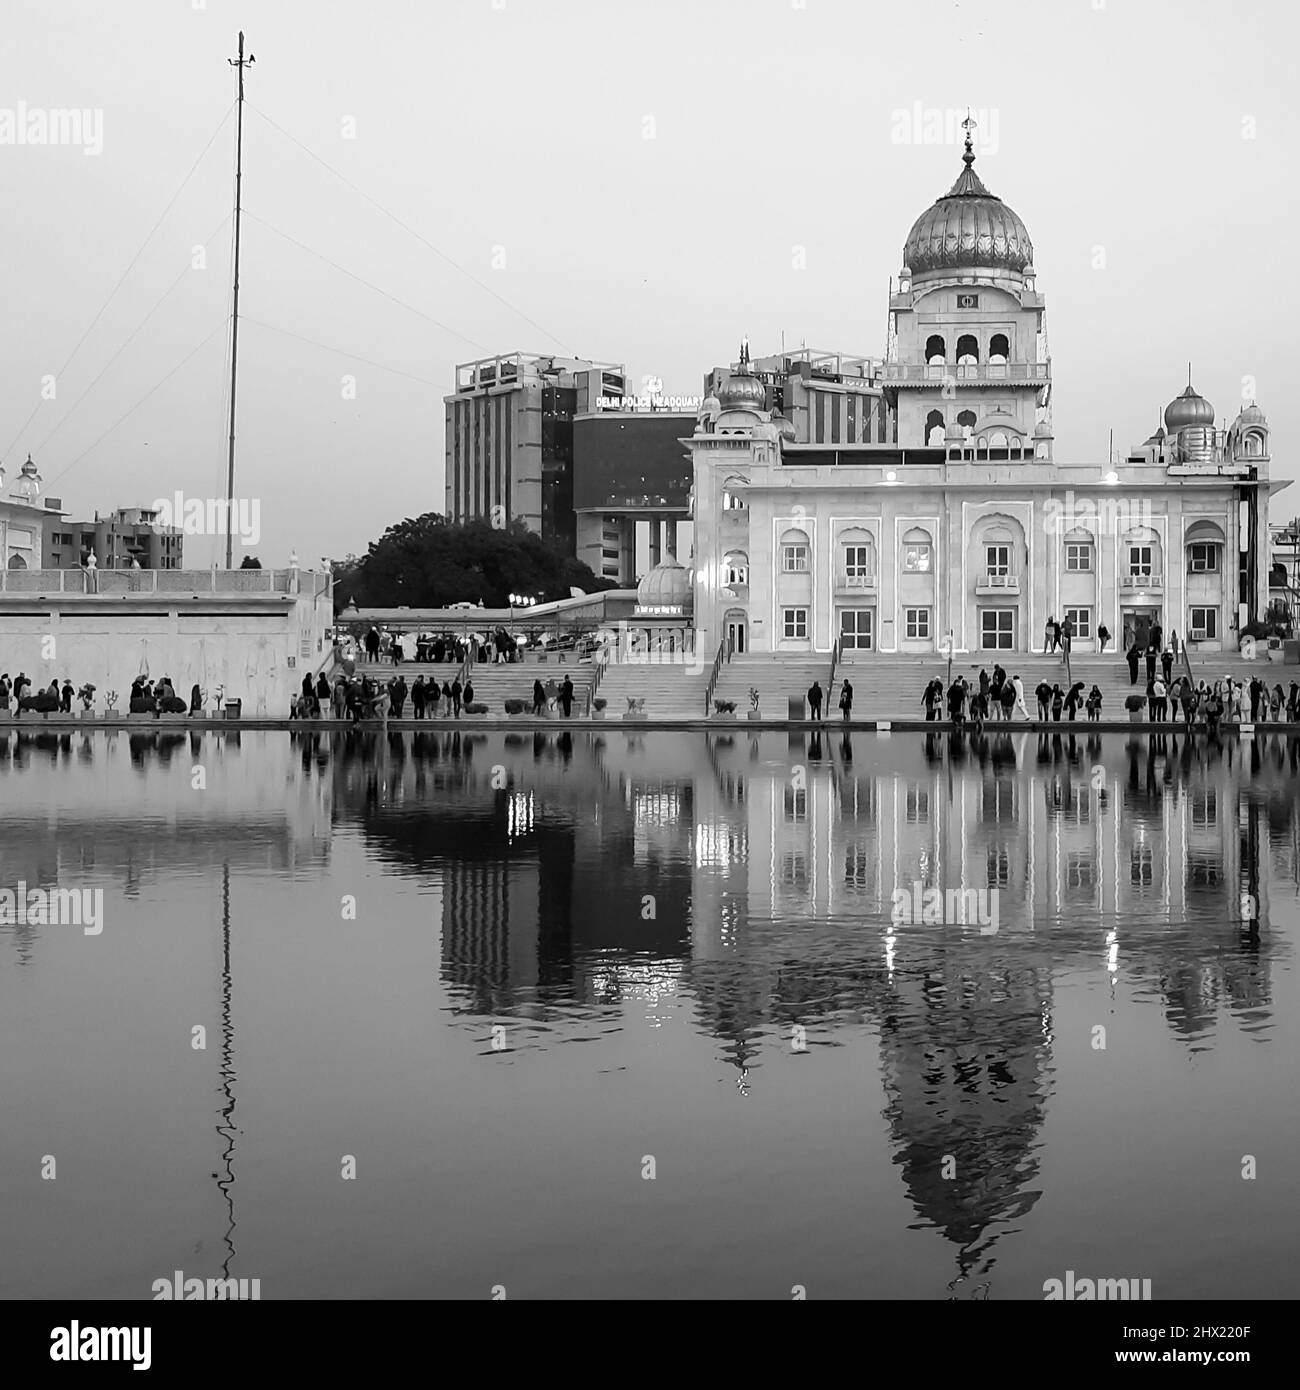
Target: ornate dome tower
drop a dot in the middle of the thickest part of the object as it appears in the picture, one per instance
(967, 342)
(742, 390)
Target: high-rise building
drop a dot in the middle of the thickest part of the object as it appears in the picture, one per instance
(510, 439)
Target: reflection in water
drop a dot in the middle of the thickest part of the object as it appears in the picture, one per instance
(748, 879)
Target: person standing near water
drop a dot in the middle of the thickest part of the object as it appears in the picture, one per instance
(846, 700)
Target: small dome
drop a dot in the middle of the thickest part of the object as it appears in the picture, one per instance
(742, 391)
(1042, 430)
(954, 432)
(1251, 415)
(668, 584)
(711, 406)
(1191, 408)
(784, 428)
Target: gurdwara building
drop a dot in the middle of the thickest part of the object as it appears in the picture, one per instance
(916, 504)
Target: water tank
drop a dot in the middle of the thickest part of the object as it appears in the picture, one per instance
(1196, 444)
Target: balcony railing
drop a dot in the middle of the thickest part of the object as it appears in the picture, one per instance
(1141, 580)
(996, 582)
(174, 582)
(975, 373)
(856, 579)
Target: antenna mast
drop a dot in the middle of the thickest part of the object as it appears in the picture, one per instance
(239, 64)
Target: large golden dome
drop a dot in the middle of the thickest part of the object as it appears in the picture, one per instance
(969, 228)
(1191, 408)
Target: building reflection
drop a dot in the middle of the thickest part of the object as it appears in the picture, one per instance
(772, 862)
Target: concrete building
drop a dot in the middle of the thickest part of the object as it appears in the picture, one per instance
(129, 534)
(960, 529)
(509, 439)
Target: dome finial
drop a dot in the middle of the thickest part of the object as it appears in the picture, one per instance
(968, 125)
(744, 352)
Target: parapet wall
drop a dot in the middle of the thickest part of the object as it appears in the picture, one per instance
(254, 633)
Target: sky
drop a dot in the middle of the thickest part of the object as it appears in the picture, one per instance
(425, 183)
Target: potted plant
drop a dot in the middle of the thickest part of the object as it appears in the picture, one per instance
(110, 702)
(1137, 707)
(635, 707)
(598, 704)
(475, 709)
(87, 697)
(753, 702)
(724, 709)
(514, 708)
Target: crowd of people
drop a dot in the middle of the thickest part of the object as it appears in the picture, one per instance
(355, 698)
(497, 647)
(992, 696)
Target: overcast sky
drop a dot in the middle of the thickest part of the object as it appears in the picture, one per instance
(636, 182)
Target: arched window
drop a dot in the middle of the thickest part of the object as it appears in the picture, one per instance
(1080, 551)
(918, 552)
(1204, 542)
(1140, 555)
(735, 569)
(968, 350)
(16, 562)
(796, 552)
(966, 419)
(933, 423)
(997, 440)
(733, 495)
(935, 350)
(1253, 445)
(857, 549)
(999, 348)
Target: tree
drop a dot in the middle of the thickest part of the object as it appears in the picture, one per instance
(428, 562)
(251, 562)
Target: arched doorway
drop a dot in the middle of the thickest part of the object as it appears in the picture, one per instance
(735, 629)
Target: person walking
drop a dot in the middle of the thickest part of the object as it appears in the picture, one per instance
(1067, 635)
(1134, 656)
(1049, 635)
(1019, 687)
(417, 698)
(815, 701)
(1103, 636)
(846, 701)
(467, 695)
(566, 697)
(933, 699)
(1167, 664)
(457, 690)
(1158, 637)
(539, 698)
(372, 644)
(1044, 693)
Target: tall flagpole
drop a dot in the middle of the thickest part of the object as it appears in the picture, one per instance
(239, 64)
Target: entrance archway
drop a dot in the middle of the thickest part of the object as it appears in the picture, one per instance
(735, 628)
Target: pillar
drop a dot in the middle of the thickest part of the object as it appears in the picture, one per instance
(670, 536)
(654, 541)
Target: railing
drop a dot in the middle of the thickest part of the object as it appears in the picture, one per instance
(995, 579)
(723, 652)
(1139, 579)
(851, 580)
(602, 665)
(975, 372)
(835, 660)
(209, 581)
